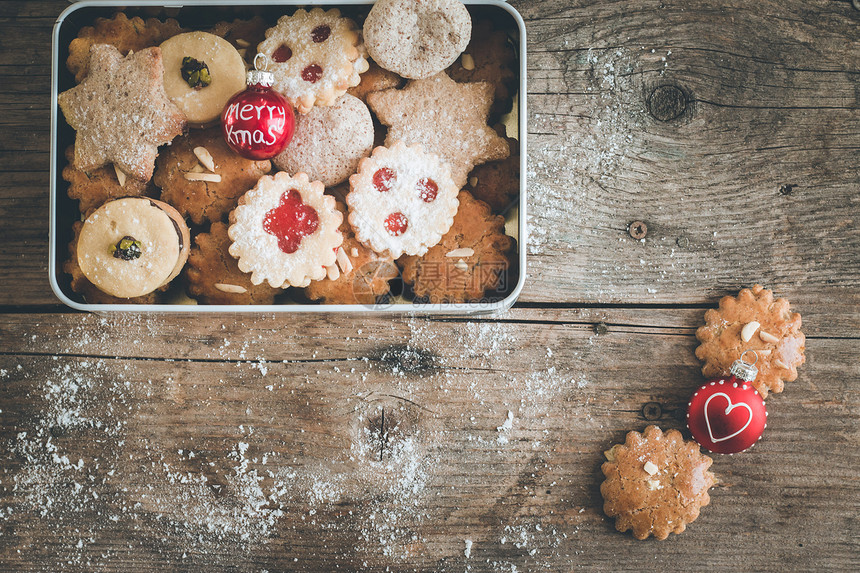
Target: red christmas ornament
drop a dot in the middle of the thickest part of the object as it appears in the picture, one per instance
(727, 415)
(258, 122)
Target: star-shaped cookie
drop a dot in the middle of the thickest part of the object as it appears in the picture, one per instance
(447, 118)
(121, 112)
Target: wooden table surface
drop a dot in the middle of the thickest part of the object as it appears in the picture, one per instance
(281, 443)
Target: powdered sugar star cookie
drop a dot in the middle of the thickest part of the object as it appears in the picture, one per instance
(402, 200)
(285, 231)
(315, 57)
(447, 118)
(121, 112)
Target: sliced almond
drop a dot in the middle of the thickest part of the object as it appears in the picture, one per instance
(354, 252)
(473, 182)
(242, 52)
(467, 61)
(332, 272)
(763, 352)
(208, 177)
(462, 265)
(232, 289)
(780, 364)
(459, 253)
(654, 484)
(651, 468)
(343, 261)
(242, 43)
(748, 330)
(205, 158)
(120, 175)
(610, 453)
(768, 337)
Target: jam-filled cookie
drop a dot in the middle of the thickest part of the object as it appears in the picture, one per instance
(203, 178)
(402, 200)
(417, 39)
(285, 231)
(359, 276)
(202, 72)
(214, 276)
(329, 141)
(133, 246)
(472, 260)
(315, 57)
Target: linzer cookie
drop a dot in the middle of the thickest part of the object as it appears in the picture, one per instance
(95, 188)
(447, 118)
(131, 247)
(202, 72)
(472, 259)
(125, 35)
(285, 231)
(90, 293)
(655, 483)
(359, 276)
(202, 177)
(214, 276)
(753, 321)
(490, 57)
(329, 141)
(315, 57)
(121, 112)
(402, 200)
(417, 39)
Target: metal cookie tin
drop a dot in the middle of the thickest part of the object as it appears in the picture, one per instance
(203, 14)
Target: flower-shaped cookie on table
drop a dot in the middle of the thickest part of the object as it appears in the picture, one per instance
(655, 483)
(753, 321)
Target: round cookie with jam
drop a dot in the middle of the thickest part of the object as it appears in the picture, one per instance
(402, 200)
(316, 56)
(130, 247)
(202, 72)
(285, 231)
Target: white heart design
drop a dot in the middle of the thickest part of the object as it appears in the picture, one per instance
(728, 410)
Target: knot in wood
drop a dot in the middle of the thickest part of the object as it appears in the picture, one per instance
(637, 229)
(652, 411)
(600, 328)
(667, 103)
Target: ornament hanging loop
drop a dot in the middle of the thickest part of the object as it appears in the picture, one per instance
(745, 371)
(265, 59)
(754, 353)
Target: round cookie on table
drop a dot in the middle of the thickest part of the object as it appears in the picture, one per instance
(359, 275)
(127, 35)
(316, 56)
(285, 231)
(417, 39)
(753, 321)
(402, 200)
(655, 483)
(329, 141)
(94, 189)
(90, 293)
(202, 71)
(472, 260)
(203, 178)
(130, 247)
(214, 276)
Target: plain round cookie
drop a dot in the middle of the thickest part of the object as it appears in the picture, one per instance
(417, 39)
(226, 67)
(329, 142)
(164, 244)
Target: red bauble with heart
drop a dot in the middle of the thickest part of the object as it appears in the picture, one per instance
(727, 415)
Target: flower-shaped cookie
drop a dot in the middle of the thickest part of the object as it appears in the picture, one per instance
(753, 321)
(285, 231)
(402, 200)
(655, 483)
(315, 57)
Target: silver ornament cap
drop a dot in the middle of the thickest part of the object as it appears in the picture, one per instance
(744, 370)
(260, 76)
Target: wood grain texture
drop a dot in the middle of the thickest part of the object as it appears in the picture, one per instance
(275, 443)
(149, 429)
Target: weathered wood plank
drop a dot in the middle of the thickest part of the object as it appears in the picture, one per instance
(149, 431)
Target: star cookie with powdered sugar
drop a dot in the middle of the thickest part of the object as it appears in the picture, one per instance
(448, 118)
(121, 112)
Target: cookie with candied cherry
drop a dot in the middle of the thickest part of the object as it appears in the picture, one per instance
(316, 56)
(285, 231)
(753, 321)
(655, 483)
(402, 200)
